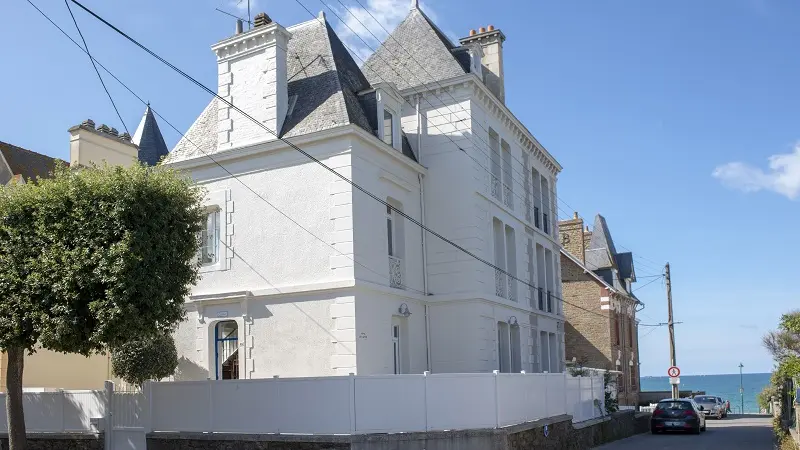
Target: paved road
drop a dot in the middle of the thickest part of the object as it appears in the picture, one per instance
(735, 432)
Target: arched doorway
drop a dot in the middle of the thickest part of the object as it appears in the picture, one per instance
(226, 350)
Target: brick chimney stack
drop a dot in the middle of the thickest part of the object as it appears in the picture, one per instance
(491, 41)
(573, 237)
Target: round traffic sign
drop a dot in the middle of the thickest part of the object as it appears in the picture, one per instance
(674, 372)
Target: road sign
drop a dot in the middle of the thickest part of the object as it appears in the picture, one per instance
(674, 372)
(674, 380)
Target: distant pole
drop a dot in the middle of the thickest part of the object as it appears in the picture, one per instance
(741, 386)
(671, 323)
(249, 19)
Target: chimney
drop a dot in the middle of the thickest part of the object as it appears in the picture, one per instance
(252, 76)
(587, 238)
(491, 40)
(572, 237)
(89, 145)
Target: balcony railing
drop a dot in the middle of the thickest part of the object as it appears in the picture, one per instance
(396, 272)
(549, 301)
(512, 289)
(496, 188)
(508, 197)
(536, 222)
(546, 224)
(499, 283)
(540, 294)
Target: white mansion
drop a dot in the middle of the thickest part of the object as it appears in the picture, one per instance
(306, 275)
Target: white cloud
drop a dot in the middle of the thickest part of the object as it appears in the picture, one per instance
(783, 176)
(366, 27)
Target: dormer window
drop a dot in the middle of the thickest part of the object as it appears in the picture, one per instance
(388, 127)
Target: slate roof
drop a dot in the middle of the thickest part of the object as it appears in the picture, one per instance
(27, 163)
(601, 248)
(416, 41)
(325, 80)
(149, 139)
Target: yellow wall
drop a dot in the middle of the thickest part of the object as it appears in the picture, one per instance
(46, 369)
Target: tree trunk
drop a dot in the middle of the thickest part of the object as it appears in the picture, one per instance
(16, 418)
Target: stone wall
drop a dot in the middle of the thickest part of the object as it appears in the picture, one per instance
(587, 334)
(586, 435)
(561, 434)
(57, 441)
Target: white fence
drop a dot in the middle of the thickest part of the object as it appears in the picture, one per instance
(371, 404)
(325, 405)
(60, 411)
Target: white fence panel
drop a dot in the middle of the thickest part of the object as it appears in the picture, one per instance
(555, 391)
(129, 409)
(537, 399)
(60, 411)
(313, 405)
(573, 386)
(392, 403)
(181, 406)
(78, 408)
(461, 401)
(513, 392)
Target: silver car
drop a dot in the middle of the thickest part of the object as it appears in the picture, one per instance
(712, 406)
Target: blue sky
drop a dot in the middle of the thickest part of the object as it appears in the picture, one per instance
(677, 121)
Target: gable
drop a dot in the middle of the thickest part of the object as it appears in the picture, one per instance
(415, 53)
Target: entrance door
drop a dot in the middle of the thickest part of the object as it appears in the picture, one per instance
(226, 349)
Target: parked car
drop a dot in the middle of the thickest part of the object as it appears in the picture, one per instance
(681, 414)
(712, 406)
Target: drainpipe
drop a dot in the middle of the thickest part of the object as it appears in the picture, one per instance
(424, 246)
(425, 273)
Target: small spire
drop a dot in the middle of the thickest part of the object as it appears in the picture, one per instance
(414, 4)
(321, 16)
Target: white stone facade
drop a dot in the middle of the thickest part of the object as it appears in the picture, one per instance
(305, 265)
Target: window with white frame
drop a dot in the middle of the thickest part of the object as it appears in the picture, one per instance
(209, 239)
(388, 127)
(390, 231)
(503, 347)
(395, 243)
(396, 348)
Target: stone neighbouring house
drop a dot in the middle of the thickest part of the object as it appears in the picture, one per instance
(305, 275)
(601, 325)
(45, 370)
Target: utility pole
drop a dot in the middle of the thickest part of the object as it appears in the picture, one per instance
(741, 386)
(671, 324)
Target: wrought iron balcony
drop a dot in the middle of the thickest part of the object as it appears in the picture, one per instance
(499, 283)
(496, 188)
(508, 196)
(512, 289)
(540, 294)
(536, 222)
(396, 272)
(549, 301)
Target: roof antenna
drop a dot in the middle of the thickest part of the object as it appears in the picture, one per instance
(250, 23)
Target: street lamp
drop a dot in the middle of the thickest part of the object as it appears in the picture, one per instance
(741, 386)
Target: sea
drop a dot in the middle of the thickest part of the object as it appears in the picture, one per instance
(725, 386)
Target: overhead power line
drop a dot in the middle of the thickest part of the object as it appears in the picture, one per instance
(86, 46)
(156, 112)
(355, 185)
